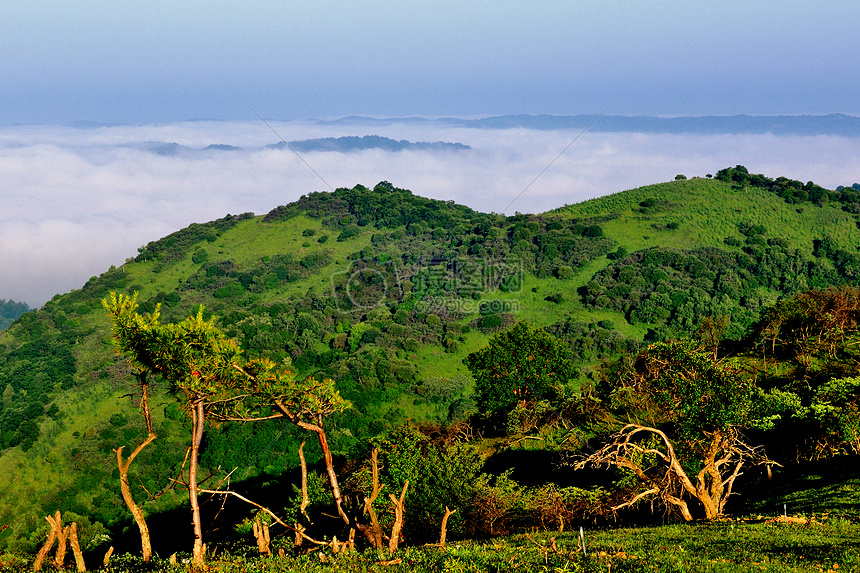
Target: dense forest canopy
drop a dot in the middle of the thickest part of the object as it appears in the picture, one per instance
(10, 310)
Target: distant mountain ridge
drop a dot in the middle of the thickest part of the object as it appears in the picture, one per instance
(170, 149)
(337, 144)
(356, 143)
(830, 124)
(806, 124)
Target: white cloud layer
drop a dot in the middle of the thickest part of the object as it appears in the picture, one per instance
(75, 201)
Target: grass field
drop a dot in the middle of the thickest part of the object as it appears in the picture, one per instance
(821, 533)
(708, 211)
(729, 546)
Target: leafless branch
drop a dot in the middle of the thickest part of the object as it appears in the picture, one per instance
(266, 510)
(711, 486)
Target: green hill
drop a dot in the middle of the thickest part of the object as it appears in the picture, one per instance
(386, 293)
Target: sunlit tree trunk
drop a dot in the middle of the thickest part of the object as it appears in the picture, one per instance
(76, 548)
(46, 548)
(197, 422)
(327, 456)
(136, 511)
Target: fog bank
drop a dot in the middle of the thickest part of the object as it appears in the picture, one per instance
(75, 201)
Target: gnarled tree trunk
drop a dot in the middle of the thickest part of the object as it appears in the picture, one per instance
(721, 461)
(318, 429)
(394, 540)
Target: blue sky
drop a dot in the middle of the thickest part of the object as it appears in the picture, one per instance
(161, 61)
(75, 201)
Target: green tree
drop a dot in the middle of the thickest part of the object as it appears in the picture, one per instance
(523, 364)
(439, 476)
(208, 373)
(836, 407)
(11, 310)
(194, 357)
(267, 391)
(206, 370)
(816, 329)
(810, 344)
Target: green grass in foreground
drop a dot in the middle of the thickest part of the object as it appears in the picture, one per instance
(728, 546)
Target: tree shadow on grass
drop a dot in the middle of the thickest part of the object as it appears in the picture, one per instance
(812, 487)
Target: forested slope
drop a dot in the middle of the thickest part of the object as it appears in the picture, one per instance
(386, 293)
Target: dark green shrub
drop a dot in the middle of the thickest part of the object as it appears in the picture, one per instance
(555, 297)
(200, 256)
(439, 476)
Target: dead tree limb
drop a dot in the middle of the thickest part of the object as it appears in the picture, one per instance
(133, 507)
(444, 530)
(62, 545)
(641, 495)
(305, 499)
(107, 556)
(375, 531)
(198, 422)
(76, 548)
(261, 533)
(299, 531)
(394, 540)
(46, 548)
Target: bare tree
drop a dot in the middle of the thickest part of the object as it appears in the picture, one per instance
(648, 454)
(64, 536)
(133, 507)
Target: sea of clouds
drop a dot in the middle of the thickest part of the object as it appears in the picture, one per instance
(74, 200)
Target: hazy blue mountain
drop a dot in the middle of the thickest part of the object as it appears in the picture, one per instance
(831, 124)
(356, 143)
(169, 149)
(222, 147)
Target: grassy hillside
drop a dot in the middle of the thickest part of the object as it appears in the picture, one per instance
(708, 211)
(386, 293)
